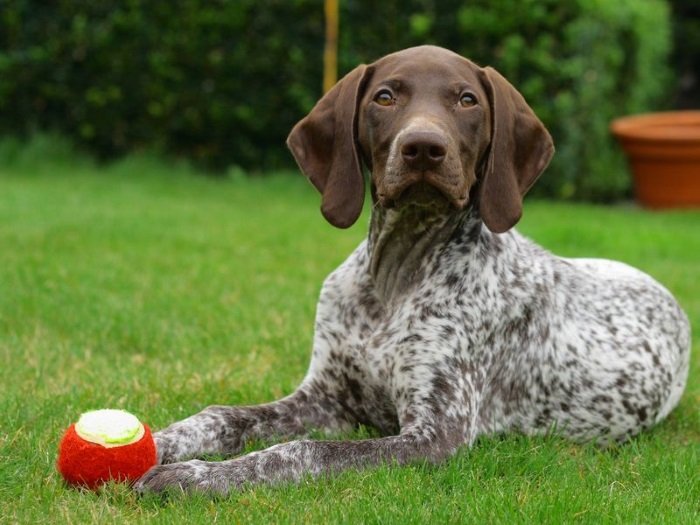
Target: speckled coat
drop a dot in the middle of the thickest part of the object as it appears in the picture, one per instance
(445, 324)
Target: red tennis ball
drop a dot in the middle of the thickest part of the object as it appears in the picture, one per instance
(105, 445)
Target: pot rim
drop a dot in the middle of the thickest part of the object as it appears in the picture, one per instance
(675, 126)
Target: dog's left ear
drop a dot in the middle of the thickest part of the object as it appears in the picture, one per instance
(520, 150)
(324, 144)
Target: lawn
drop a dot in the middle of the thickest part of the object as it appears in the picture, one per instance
(145, 287)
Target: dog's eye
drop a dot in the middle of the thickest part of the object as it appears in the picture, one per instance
(384, 97)
(467, 100)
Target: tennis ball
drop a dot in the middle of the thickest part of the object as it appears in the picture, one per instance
(105, 445)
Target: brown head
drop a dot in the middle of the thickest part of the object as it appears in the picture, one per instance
(423, 117)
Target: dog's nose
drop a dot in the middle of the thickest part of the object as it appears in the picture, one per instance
(423, 150)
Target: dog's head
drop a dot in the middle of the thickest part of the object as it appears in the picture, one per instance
(423, 118)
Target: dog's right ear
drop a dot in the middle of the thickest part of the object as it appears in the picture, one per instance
(521, 149)
(324, 144)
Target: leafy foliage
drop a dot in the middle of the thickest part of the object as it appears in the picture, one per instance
(686, 52)
(223, 82)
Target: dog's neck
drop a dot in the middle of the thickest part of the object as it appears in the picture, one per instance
(404, 241)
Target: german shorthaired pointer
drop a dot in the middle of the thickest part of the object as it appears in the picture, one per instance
(445, 324)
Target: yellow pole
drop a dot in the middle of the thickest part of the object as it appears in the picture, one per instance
(330, 51)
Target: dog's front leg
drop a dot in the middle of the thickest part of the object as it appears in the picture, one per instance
(225, 430)
(290, 462)
(437, 415)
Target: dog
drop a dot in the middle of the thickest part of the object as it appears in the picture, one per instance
(444, 324)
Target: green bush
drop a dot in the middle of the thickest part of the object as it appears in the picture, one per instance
(219, 82)
(686, 52)
(223, 82)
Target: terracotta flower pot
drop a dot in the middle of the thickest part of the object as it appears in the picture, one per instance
(663, 150)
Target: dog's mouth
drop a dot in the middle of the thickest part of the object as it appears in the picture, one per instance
(427, 191)
(420, 194)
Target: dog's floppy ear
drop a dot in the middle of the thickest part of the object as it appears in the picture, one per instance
(520, 150)
(325, 147)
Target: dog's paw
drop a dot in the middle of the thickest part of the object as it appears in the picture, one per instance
(188, 476)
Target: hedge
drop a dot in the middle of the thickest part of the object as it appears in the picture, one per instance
(686, 52)
(222, 82)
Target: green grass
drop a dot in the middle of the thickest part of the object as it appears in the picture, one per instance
(141, 286)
